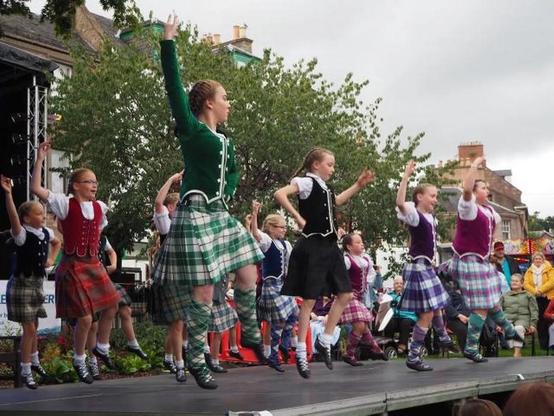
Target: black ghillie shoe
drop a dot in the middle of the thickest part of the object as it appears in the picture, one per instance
(203, 377)
(325, 353)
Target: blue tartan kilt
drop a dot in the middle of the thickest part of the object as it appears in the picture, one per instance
(224, 317)
(423, 290)
(273, 307)
(479, 280)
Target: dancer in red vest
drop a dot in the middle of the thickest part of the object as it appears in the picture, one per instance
(83, 286)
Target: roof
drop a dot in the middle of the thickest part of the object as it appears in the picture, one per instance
(43, 32)
(25, 60)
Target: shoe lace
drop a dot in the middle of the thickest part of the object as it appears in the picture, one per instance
(302, 363)
(83, 370)
(93, 366)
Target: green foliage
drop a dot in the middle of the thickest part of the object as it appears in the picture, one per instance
(130, 364)
(116, 120)
(151, 339)
(536, 223)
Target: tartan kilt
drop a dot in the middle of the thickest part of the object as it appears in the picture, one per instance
(423, 290)
(169, 303)
(355, 311)
(479, 281)
(224, 317)
(204, 244)
(25, 298)
(125, 298)
(83, 287)
(273, 307)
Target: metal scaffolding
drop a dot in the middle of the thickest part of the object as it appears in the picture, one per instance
(37, 123)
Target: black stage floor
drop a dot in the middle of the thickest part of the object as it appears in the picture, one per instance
(372, 389)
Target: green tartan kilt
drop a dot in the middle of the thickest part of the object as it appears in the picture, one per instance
(204, 244)
(224, 317)
(25, 298)
(169, 303)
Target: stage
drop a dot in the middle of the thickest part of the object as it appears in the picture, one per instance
(375, 388)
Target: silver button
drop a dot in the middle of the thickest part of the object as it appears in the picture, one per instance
(219, 166)
(217, 193)
(219, 180)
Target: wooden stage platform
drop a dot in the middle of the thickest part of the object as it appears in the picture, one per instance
(375, 388)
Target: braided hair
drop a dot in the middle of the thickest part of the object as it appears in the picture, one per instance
(201, 92)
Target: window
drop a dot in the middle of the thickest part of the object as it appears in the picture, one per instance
(506, 230)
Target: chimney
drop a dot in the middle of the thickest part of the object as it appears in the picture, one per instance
(216, 39)
(242, 30)
(236, 32)
(468, 152)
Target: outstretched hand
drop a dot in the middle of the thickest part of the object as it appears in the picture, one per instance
(43, 149)
(177, 177)
(410, 169)
(171, 27)
(365, 177)
(478, 162)
(6, 184)
(256, 206)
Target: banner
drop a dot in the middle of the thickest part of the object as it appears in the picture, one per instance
(48, 325)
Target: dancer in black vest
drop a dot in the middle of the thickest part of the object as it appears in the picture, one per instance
(316, 265)
(24, 294)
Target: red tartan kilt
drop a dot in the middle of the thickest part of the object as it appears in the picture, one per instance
(83, 287)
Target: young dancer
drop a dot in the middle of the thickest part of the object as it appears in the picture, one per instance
(24, 294)
(108, 257)
(281, 312)
(316, 266)
(205, 242)
(224, 318)
(170, 299)
(423, 292)
(480, 282)
(83, 286)
(356, 313)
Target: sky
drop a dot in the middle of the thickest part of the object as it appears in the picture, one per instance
(458, 71)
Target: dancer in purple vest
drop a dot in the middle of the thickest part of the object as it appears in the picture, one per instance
(356, 313)
(478, 278)
(423, 291)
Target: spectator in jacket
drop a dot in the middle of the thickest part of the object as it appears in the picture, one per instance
(539, 281)
(549, 316)
(520, 308)
(402, 321)
(457, 313)
(505, 264)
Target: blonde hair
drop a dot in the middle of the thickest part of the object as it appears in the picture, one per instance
(272, 219)
(538, 254)
(171, 198)
(25, 209)
(76, 176)
(420, 190)
(519, 276)
(314, 155)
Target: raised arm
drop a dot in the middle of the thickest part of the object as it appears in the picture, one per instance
(164, 190)
(365, 177)
(469, 178)
(254, 223)
(10, 205)
(36, 180)
(178, 98)
(402, 188)
(282, 198)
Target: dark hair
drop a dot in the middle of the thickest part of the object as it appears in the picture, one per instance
(535, 399)
(76, 176)
(477, 181)
(479, 407)
(420, 189)
(25, 209)
(314, 155)
(201, 92)
(348, 239)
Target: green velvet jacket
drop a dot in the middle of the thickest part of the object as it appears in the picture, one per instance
(209, 157)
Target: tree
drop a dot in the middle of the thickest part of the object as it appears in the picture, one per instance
(536, 223)
(61, 12)
(115, 120)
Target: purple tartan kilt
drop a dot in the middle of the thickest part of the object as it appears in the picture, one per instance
(480, 282)
(355, 311)
(83, 287)
(423, 290)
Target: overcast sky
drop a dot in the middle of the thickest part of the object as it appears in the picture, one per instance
(459, 71)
